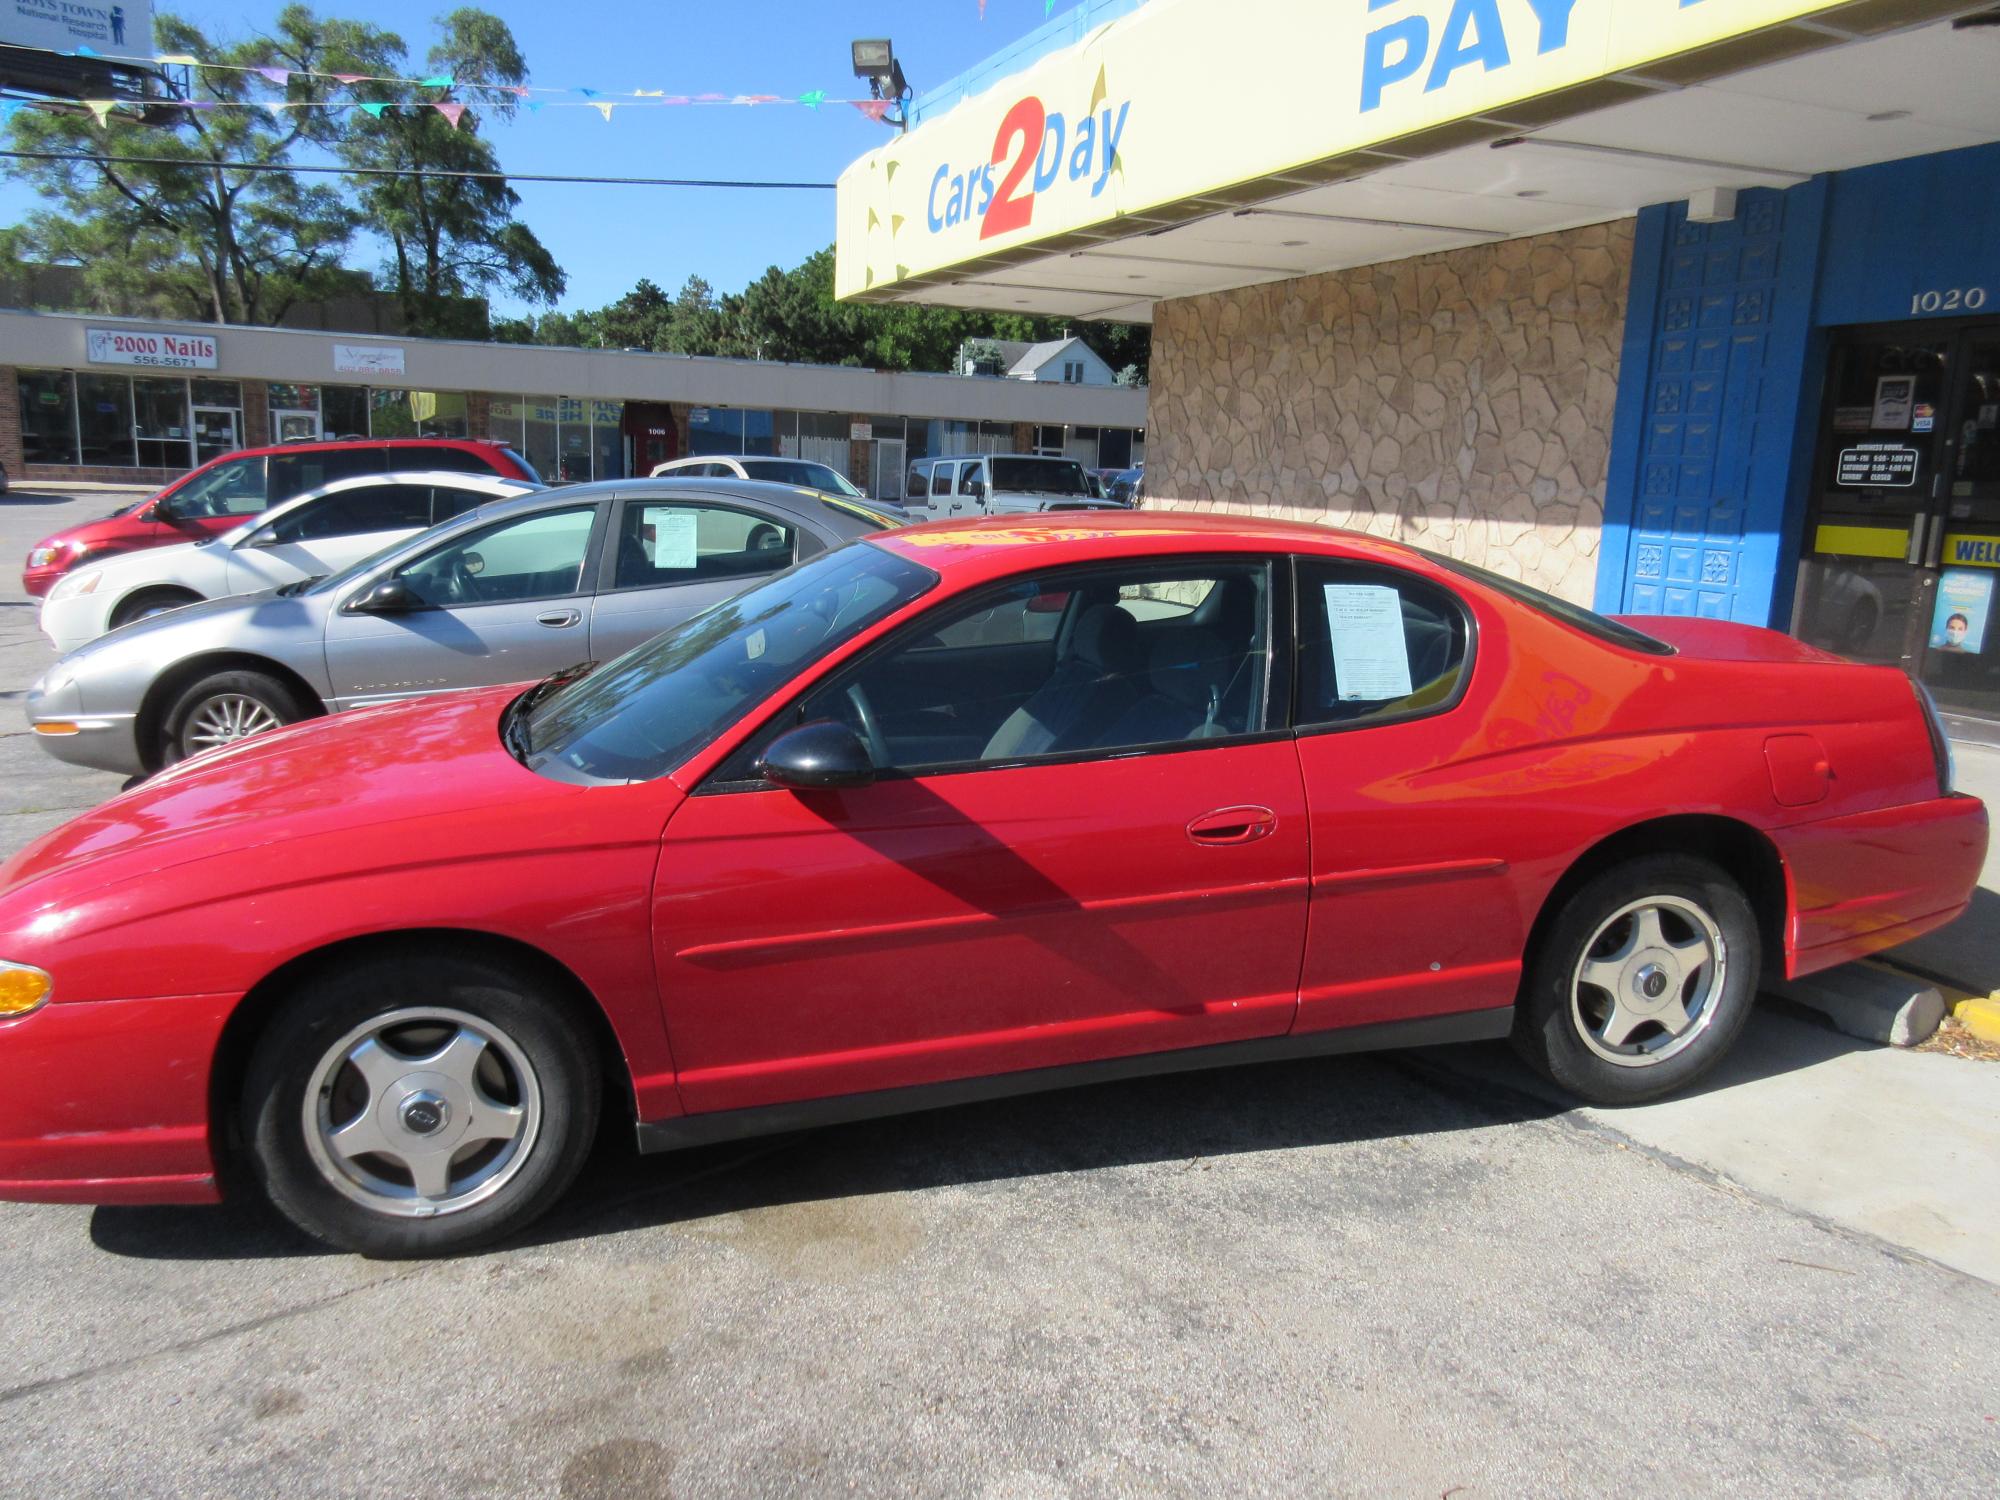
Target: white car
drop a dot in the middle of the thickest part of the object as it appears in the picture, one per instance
(796, 471)
(314, 534)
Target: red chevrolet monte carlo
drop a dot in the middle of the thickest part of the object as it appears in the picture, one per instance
(949, 813)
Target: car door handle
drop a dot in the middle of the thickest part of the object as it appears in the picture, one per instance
(1233, 825)
(557, 618)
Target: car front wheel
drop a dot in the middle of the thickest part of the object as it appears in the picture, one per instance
(225, 707)
(1642, 982)
(415, 1106)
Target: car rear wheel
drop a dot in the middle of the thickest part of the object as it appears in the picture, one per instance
(418, 1106)
(225, 707)
(1642, 982)
(150, 602)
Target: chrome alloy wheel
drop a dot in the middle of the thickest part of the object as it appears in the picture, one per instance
(224, 718)
(1648, 982)
(422, 1112)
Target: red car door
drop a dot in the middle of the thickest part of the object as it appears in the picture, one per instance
(1084, 844)
(1414, 910)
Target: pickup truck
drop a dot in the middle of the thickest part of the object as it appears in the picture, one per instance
(998, 484)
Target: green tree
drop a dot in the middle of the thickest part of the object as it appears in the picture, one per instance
(449, 238)
(196, 238)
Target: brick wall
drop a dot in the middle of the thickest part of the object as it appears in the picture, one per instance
(256, 414)
(10, 422)
(1461, 401)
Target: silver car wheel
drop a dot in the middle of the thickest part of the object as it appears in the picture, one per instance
(422, 1112)
(1649, 981)
(226, 717)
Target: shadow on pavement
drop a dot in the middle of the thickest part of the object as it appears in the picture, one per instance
(1965, 954)
(1185, 1117)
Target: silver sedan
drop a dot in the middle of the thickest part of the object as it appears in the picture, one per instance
(510, 592)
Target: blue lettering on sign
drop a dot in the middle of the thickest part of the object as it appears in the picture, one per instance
(1981, 551)
(1083, 151)
(931, 215)
(1473, 32)
(1048, 164)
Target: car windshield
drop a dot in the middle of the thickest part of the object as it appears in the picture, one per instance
(1041, 476)
(799, 471)
(641, 714)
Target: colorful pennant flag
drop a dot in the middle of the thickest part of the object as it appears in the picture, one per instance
(277, 107)
(452, 112)
(99, 107)
(177, 59)
(350, 78)
(442, 81)
(605, 110)
(813, 98)
(279, 76)
(875, 109)
(375, 110)
(587, 93)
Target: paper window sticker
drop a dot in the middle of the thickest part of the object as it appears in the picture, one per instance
(1371, 657)
(673, 537)
(753, 644)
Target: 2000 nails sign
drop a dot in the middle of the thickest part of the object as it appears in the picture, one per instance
(1036, 150)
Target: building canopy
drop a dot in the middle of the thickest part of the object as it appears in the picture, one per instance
(1193, 145)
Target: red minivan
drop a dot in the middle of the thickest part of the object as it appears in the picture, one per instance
(225, 492)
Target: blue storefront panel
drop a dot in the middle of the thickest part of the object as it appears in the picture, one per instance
(1719, 390)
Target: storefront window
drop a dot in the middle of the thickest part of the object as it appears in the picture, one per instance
(223, 393)
(503, 420)
(48, 417)
(540, 436)
(343, 410)
(160, 423)
(104, 420)
(607, 420)
(389, 415)
(757, 433)
(293, 397)
(438, 414)
(715, 429)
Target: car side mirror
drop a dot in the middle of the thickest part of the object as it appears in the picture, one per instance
(817, 756)
(392, 596)
(976, 488)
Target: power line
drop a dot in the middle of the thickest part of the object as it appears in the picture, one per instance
(276, 166)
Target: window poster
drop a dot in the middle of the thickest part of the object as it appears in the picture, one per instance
(673, 536)
(1964, 603)
(1371, 657)
(1895, 401)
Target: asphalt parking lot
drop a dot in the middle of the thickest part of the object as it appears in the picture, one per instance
(1397, 1275)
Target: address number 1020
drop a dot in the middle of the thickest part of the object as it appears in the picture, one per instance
(1948, 299)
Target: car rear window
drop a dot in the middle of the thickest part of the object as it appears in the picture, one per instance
(452, 460)
(1612, 632)
(295, 473)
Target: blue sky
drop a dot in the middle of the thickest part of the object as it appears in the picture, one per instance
(606, 238)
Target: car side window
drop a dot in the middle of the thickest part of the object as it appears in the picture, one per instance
(235, 488)
(1376, 643)
(660, 544)
(1105, 660)
(378, 507)
(969, 479)
(532, 557)
(448, 503)
(449, 460)
(295, 473)
(941, 479)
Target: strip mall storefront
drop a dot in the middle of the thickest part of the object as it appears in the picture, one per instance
(112, 400)
(1678, 306)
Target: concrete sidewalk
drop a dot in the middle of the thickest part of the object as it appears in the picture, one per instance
(1903, 1147)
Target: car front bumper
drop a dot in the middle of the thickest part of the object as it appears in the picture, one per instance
(102, 742)
(108, 1101)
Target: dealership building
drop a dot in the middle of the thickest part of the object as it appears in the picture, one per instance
(109, 399)
(1669, 306)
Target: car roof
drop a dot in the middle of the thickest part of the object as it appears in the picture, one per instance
(968, 552)
(816, 506)
(323, 445)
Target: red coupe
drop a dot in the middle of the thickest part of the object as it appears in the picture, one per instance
(951, 813)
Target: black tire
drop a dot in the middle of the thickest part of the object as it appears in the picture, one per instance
(348, 1205)
(1564, 1025)
(182, 733)
(150, 602)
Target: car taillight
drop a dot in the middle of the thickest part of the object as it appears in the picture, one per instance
(1947, 768)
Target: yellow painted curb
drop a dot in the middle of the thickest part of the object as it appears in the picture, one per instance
(1980, 1015)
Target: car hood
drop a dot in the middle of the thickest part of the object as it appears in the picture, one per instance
(115, 527)
(408, 783)
(163, 638)
(150, 559)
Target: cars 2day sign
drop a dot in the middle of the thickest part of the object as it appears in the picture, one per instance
(159, 351)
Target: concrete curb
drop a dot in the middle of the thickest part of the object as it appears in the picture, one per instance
(1871, 1001)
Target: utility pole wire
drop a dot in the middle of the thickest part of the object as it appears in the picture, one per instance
(199, 165)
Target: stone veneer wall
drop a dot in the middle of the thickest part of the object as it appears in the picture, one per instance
(1460, 401)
